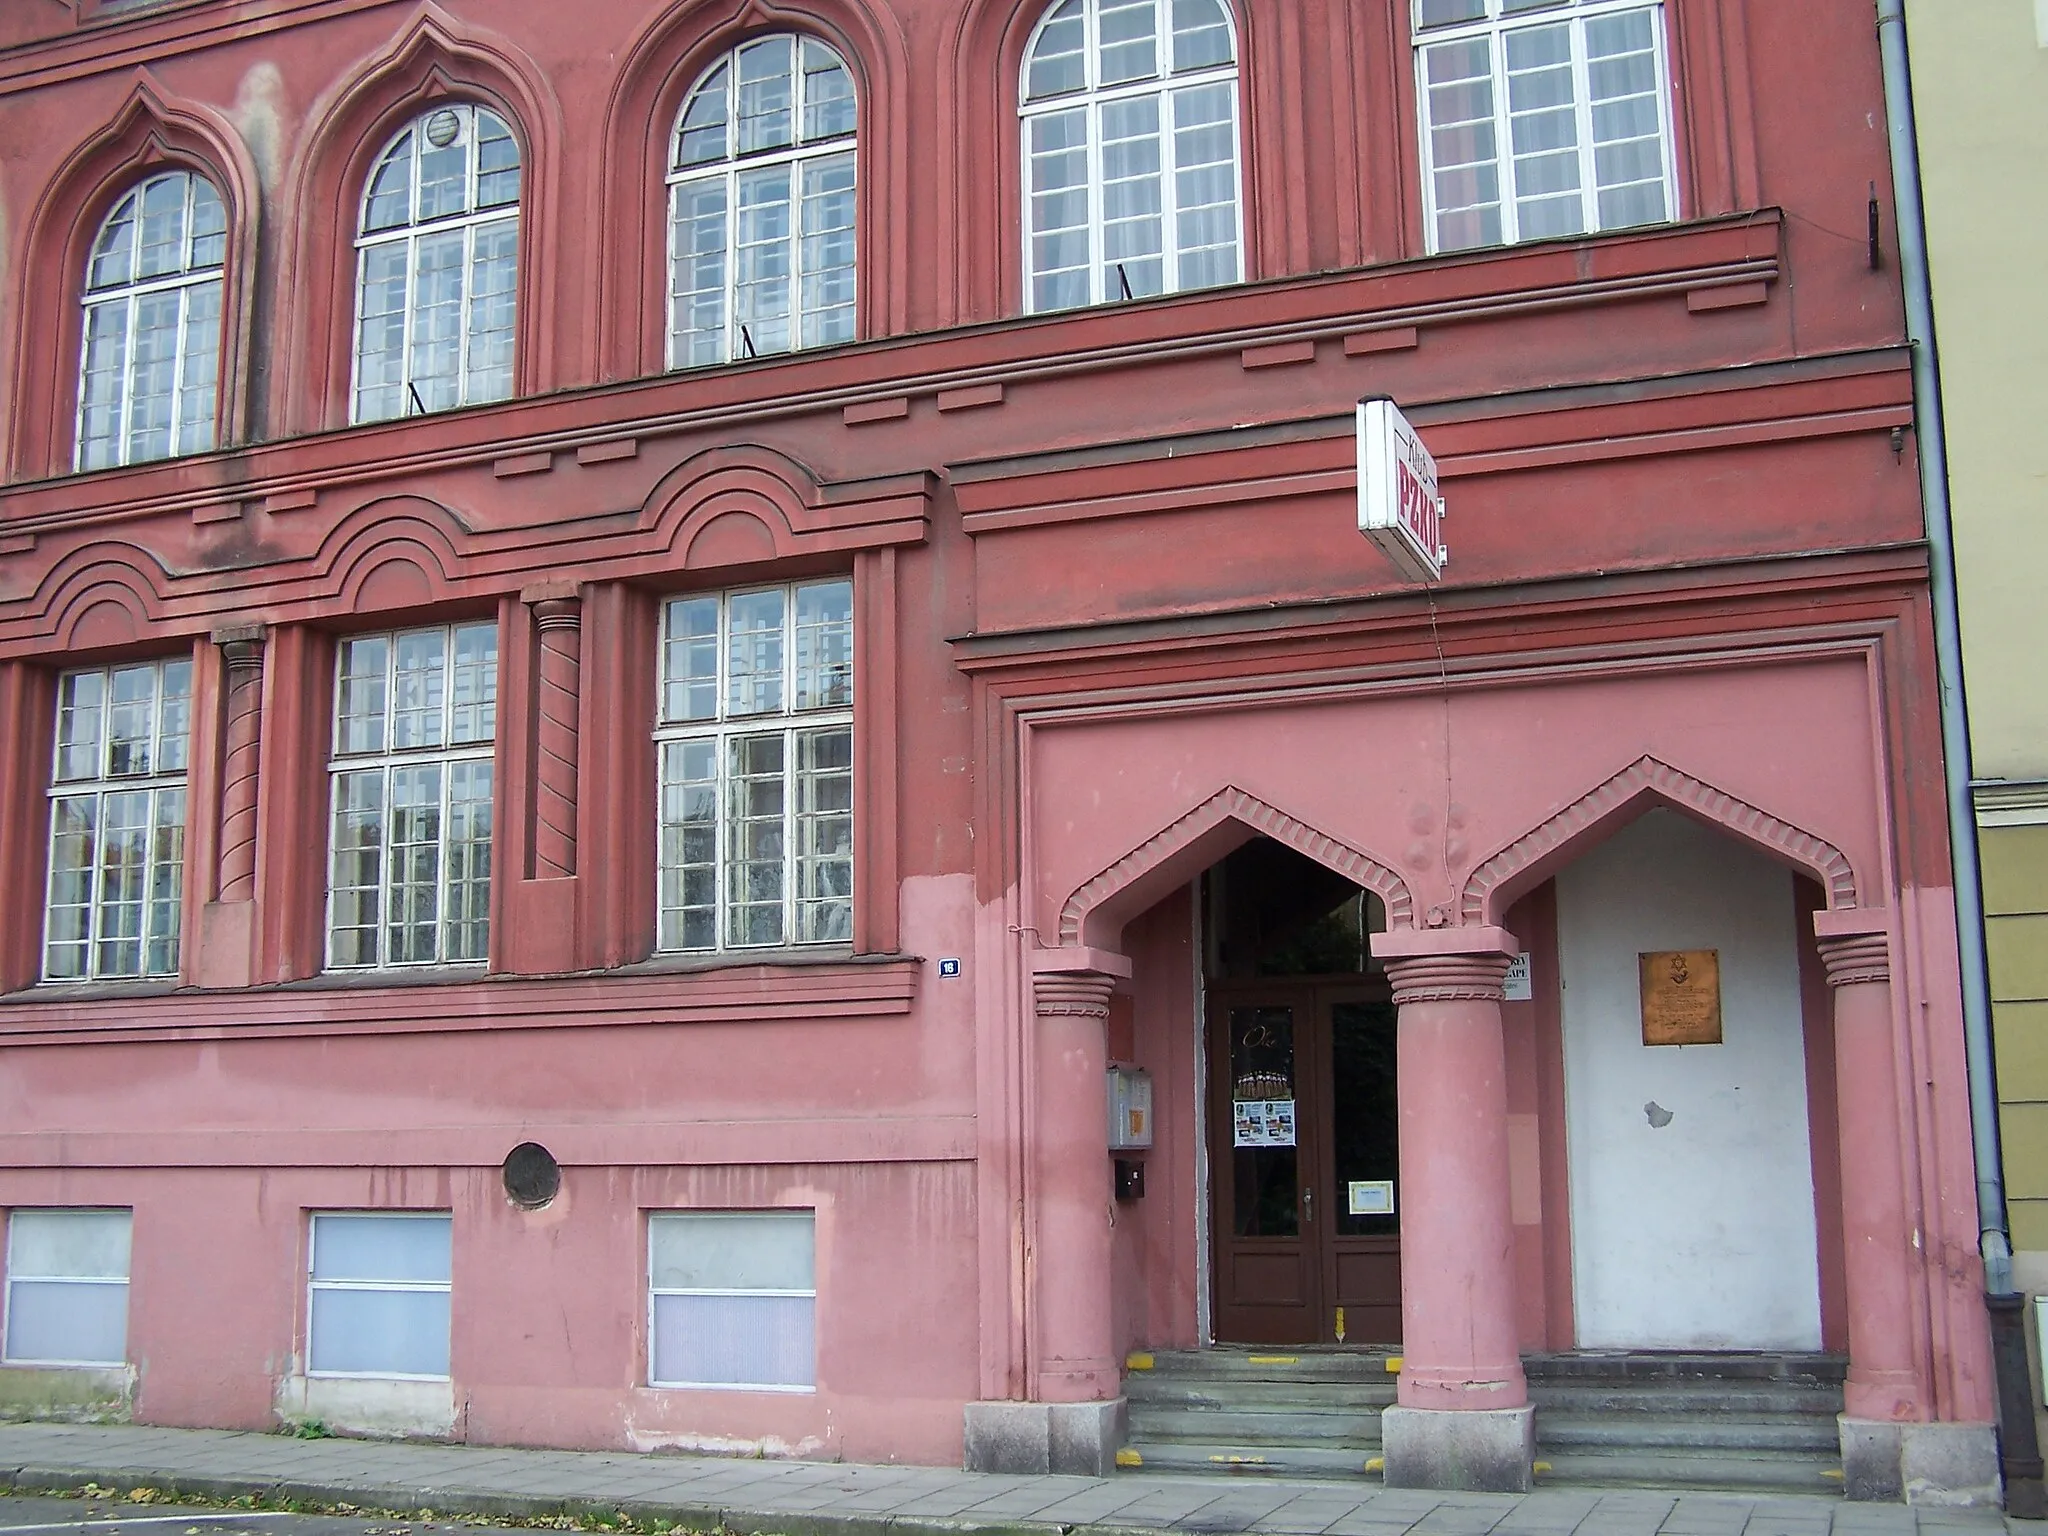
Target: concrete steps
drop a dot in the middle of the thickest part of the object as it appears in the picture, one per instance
(1737, 1422)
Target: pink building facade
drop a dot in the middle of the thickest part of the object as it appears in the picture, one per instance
(741, 628)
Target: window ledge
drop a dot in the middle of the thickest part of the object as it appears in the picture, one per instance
(805, 987)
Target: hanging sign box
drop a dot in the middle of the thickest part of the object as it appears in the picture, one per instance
(1399, 506)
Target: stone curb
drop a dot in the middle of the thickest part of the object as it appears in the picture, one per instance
(729, 1519)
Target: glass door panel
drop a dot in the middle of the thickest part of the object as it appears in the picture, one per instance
(1265, 1150)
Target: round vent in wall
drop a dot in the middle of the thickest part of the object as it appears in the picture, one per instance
(532, 1176)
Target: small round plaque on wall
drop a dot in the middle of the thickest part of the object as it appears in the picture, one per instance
(532, 1176)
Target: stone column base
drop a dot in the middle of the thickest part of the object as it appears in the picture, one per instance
(1476, 1450)
(1080, 1439)
(1951, 1464)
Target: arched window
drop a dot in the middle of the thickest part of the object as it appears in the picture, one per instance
(761, 205)
(438, 267)
(149, 371)
(1130, 151)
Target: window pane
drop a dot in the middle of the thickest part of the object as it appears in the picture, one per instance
(757, 863)
(699, 231)
(734, 1340)
(825, 256)
(81, 700)
(379, 1333)
(1129, 40)
(1059, 63)
(824, 646)
(1201, 35)
(418, 677)
(473, 688)
(762, 259)
(766, 95)
(68, 1245)
(828, 94)
(67, 1323)
(701, 134)
(690, 659)
(764, 1250)
(382, 1248)
(754, 650)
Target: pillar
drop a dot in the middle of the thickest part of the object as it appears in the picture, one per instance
(1075, 1420)
(226, 955)
(1463, 1418)
(559, 683)
(1890, 1449)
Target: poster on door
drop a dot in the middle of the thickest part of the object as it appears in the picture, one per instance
(1264, 1122)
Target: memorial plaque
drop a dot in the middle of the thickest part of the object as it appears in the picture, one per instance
(1681, 997)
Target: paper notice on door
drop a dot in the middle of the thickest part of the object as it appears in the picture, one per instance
(1264, 1122)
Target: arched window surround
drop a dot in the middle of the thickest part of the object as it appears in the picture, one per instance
(663, 65)
(149, 133)
(432, 63)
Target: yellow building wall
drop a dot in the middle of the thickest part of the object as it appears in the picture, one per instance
(1980, 93)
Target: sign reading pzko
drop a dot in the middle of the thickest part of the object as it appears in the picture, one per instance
(1399, 507)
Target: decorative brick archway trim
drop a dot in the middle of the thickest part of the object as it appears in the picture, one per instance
(1228, 805)
(1509, 872)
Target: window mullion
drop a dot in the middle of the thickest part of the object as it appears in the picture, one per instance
(1507, 177)
(1582, 90)
(734, 345)
(1169, 188)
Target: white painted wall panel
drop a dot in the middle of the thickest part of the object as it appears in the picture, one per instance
(1697, 1234)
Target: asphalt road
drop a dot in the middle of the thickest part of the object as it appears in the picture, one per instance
(98, 1517)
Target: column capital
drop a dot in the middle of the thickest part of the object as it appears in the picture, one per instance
(1448, 978)
(1855, 959)
(241, 646)
(558, 613)
(1075, 982)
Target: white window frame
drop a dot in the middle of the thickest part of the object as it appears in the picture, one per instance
(1495, 26)
(187, 283)
(1091, 100)
(164, 786)
(727, 727)
(409, 1287)
(13, 1275)
(810, 1293)
(388, 760)
(739, 343)
(470, 222)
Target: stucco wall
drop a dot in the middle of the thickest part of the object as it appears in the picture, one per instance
(1692, 1189)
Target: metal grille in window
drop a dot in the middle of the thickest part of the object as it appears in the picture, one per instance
(117, 822)
(755, 732)
(409, 878)
(1542, 118)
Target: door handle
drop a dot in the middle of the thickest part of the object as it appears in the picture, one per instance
(1308, 1203)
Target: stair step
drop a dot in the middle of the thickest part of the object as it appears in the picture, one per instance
(1739, 1433)
(1735, 1397)
(1279, 1365)
(1760, 1473)
(1686, 1365)
(1234, 1424)
(1242, 1460)
(1315, 1396)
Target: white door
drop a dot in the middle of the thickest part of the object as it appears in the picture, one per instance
(1691, 1166)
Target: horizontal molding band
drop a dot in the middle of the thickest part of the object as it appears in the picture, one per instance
(704, 1143)
(728, 995)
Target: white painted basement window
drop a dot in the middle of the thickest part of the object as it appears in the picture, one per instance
(732, 1300)
(117, 822)
(1542, 118)
(415, 721)
(1130, 134)
(67, 1287)
(379, 1295)
(755, 732)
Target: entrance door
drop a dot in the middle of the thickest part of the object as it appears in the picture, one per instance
(1304, 1155)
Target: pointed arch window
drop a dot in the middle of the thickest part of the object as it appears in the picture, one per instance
(1130, 145)
(761, 239)
(149, 368)
(437, 271)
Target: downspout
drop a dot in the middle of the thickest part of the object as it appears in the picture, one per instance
(2019, 1446)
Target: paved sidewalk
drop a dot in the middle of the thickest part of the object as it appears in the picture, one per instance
(795, 1498)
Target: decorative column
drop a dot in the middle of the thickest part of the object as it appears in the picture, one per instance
(1075, 1420)
(1463, 1419)
(241, 762)
(1886, 1392)
(559, 685)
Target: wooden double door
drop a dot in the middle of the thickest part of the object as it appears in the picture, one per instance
(1305, 1162)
